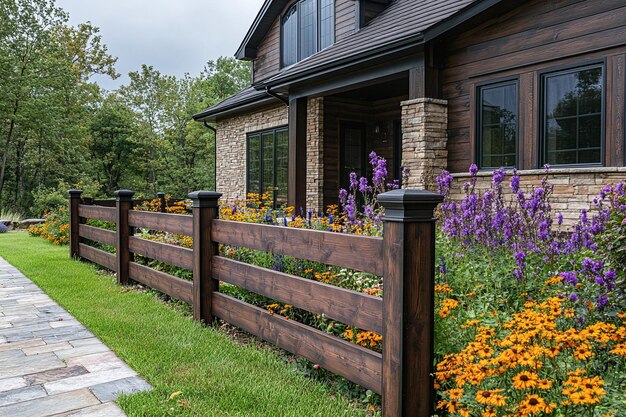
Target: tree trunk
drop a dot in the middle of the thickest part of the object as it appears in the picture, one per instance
(5, 154)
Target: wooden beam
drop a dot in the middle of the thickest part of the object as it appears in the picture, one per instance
(296, 189)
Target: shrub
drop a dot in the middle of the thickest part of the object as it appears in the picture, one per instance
(56, 228)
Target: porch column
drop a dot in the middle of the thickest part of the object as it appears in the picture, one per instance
(296, 187)
(424, 140)
(315, 155)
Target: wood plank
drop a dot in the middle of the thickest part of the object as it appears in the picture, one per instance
(172, 223)
(97, 234)
(97, 212)
(160, 281)
(170, 254)
(349, 307)
(351, 361)
(98, 256)
(616, 80)
(362, 253)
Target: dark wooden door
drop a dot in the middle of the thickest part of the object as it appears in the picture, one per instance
(352, 154)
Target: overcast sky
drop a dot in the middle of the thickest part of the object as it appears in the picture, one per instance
(174, 36)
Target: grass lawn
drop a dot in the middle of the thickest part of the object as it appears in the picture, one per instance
(216, 376)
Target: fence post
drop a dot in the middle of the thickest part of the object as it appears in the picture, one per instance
(163, 204)
(123, 204)
(205, 208)
(75, 198)
(408, 302)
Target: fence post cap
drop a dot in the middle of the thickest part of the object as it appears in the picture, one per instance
(204, 198)
(409, 205)
(124, 195)
(74, 193)
(160, 195)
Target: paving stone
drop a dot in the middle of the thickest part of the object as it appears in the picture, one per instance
(101, 410)
(8, 357)
(46, 348)
(67, 337)
(64, 323)
(21, 394)
(81, 351)
(85, 342)
(87, 380)
(12, 383)
(55, 374)
(111, 390)
(21, 345)
(97, 361)
(54, 404)
(33, 364)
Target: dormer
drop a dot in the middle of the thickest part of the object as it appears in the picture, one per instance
(288, 31)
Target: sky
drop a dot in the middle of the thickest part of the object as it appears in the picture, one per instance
(174, 36)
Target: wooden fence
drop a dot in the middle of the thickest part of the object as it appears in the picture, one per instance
(405, 257)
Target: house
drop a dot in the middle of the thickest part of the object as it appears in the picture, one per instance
(428, 84)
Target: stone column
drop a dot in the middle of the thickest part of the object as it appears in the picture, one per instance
(424, 140)
(315, 155)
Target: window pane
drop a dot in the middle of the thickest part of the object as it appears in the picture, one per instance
(308, 28)
(282, 166)
(352, 151)
(573, 117)
(290, 37)
(327, 23)
(498, 125)
(268, 164)
(254, 164)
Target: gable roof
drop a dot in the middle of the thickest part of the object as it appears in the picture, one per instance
(403, 24)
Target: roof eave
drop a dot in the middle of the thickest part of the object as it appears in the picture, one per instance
(212, 115)
(325, 69)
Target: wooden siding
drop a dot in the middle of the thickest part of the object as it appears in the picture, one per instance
(345, 18)
(538, 36)
(267, 63)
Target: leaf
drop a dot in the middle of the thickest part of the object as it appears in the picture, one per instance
(174, 395)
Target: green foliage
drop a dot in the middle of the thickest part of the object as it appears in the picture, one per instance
(56, 126)
(56, 228)
(10, 215)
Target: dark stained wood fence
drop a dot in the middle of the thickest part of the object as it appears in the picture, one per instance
(404, 257)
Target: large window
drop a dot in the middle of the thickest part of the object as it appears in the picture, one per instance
(307, 27)
(572, 114)
(268, 159)
(497, 125)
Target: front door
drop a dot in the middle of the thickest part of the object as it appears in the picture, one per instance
(352, 152)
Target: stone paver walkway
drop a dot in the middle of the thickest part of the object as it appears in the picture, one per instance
(50, 365)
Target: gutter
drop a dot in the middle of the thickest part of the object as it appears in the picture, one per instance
(269, 92)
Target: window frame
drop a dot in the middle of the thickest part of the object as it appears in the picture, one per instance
(274, 131)
(296, 5)
(478, 117)
(541, 106)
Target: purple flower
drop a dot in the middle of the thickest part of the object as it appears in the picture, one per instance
(473, 170)
(570, 278)
(363, 185)
(602, 301)
(354, 183)
(573, 297)
(343, 194)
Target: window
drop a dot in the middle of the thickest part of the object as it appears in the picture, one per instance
(268, 159)
(497, 125)
(307, 27)
(572, 114)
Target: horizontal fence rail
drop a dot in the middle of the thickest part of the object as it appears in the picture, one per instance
(170, 254)
(172, 223)
(404, 257)
(351, 361)
(349, 251)
(97, 213)
(349, 307)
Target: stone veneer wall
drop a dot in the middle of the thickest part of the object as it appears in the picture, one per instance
(231, 147)
(315, 155)
(574, 188)
(424, 140)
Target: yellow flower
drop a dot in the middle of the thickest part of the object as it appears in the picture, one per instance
(491, 397)
(525, 380)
